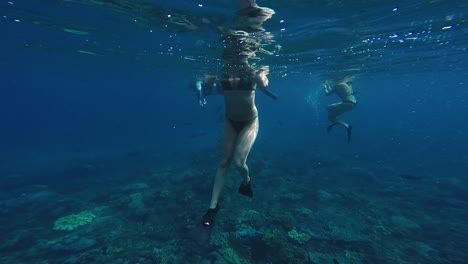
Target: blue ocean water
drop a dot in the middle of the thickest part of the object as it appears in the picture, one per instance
(97, 116)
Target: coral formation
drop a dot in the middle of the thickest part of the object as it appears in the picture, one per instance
(299, 237)
(231, 256)
(73, 221)
(148, 221)
(220, 239)
(71, 243)
(275, 238)
(137, 205)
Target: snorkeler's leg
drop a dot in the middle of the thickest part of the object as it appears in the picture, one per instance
(332, 116)
(202, 232)
(334, 111)
(244, 144)
(346, 107)
(227, 148)
(329, 127)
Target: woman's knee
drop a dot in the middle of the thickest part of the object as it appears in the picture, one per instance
(225, 163)
(239, 163)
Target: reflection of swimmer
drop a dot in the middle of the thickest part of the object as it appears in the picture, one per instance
(209, 85)
(342, 88)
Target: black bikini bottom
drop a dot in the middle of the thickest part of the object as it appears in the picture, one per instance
(239, 125)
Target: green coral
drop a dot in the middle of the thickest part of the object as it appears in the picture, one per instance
(283, 218)
(231, 256)
(220, 239)
(251, 217)
(275, 238)
(299, 237)
(293, 255)
(73, 221)
(304, 211)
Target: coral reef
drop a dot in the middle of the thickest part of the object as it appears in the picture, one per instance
(327, 219)
(70, 243)
(70, 222)
(300, 237)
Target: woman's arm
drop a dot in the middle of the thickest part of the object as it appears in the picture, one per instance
(262, 82)
(327, 89)
(261, 78)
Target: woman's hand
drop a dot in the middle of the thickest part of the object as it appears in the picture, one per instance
(261, 77)
(327, 88)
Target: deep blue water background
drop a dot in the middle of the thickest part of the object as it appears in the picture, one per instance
(54, 97)
(59, 101)
(61, 108)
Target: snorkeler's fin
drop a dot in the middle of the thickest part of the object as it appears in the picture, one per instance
(246, 189)
(329, 128)
(202, 232)
(349, 130)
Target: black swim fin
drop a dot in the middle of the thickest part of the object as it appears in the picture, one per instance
(202, 232)
(349, 130)
(246, 189)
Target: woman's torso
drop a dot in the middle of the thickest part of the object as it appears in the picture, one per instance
(240, 100)
(345, 92)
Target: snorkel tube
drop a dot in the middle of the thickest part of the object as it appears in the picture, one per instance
(269, 93)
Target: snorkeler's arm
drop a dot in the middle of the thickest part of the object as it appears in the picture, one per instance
(327, 88)
(262, 80)
(198, 85)
(200, 94)
(262, 83)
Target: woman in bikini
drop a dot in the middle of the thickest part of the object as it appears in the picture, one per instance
(343, 88)
(239, 81)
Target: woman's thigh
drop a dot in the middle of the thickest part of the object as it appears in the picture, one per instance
(339, 108)
(228, 141)
(245, 140)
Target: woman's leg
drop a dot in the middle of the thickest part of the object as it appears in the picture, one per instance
(244, 143)
(227, 148)
(337, 109)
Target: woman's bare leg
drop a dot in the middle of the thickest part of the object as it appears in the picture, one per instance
(227, 148)
(244, 143)
(337, 109)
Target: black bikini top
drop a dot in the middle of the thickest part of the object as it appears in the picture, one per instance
(242, 85)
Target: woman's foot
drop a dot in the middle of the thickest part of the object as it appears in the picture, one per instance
(246, 189)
